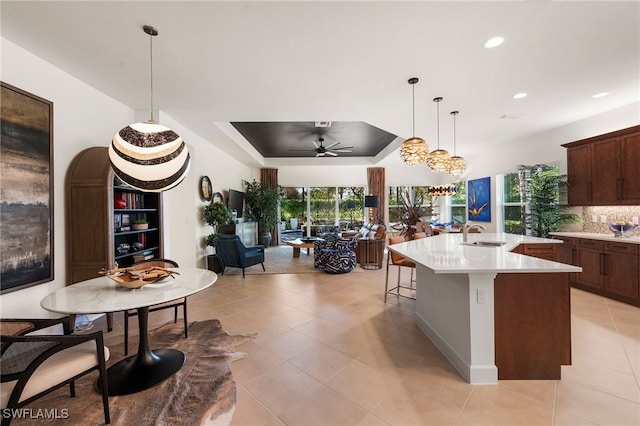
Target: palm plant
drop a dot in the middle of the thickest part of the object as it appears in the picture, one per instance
(411, 211)
(542, 186)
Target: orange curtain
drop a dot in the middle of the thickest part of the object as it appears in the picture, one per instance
(377, 186)
(269, 177)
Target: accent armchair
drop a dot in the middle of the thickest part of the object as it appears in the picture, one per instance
(334, 254)
(34, 365)
(232, 253)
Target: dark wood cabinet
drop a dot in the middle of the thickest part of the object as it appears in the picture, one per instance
(95, 228)
(579, 175)
(621, 270)
(565, 253)
(603, 170)
(589, 257)
(609, 268)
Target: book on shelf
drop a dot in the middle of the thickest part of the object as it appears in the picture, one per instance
(144, 255)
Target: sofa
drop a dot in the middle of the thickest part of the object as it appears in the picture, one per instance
(368, 231)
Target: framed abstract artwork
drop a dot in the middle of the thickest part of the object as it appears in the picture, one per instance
(479, 199)
(26, 189)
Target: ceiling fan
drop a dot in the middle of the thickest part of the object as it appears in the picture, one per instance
(322, 150)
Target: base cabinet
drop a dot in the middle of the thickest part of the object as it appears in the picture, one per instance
(609, 268)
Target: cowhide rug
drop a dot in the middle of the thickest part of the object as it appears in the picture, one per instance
(202, 392)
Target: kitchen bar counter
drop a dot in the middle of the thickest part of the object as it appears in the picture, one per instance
(494, 314)
(595, 236)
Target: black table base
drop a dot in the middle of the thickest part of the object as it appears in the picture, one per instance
(146, 368)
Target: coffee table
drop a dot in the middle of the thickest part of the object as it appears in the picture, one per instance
(297, 244)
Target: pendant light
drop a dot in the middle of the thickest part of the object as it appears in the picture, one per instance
(414, 150)
(148, 156)
(442, 190)
(438, 159)
(457, 165)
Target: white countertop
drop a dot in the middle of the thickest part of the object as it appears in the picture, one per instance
(102, 294)
(595, 236)
(445, 254)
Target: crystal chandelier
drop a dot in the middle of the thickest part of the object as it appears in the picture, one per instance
(148, 156)
(457, 165)
(438, 160)
(414, 150)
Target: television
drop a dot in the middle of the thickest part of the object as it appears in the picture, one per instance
(235, 201)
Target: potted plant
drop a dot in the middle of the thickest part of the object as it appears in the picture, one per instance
(214, 214)
(262, 206)
(140, 224)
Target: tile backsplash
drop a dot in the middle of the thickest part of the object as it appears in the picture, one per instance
(612, 213)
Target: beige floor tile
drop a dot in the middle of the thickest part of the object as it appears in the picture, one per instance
(623, 385)
(362, 384)
(596, 406)
(258, 362)
(371, 420)
(320, 361)
(288, 344)
(500, 405)
(250, 412)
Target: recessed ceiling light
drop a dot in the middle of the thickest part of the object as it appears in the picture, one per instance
(493, 42)
(600, 95)
(519, 95)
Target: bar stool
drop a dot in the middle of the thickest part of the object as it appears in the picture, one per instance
(400, 262)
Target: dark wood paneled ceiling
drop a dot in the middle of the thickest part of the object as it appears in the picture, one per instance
(295, 139)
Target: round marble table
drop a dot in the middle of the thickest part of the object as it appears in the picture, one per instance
(147, 367)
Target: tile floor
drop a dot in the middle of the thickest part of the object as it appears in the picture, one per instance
(330, 352)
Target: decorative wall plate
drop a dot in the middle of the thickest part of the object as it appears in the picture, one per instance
(206, 190)
(218, 198)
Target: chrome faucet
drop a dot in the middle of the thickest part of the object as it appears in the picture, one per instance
(467, 226)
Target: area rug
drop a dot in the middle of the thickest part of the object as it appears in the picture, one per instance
(203, 392)
(280, 260)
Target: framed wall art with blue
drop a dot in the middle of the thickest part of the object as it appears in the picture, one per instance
(479, 199)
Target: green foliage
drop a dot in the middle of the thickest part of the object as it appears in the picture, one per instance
(411, 211)
(140, 221)
(542, 185)
(209, 239)
(262, 204)
(215, 214)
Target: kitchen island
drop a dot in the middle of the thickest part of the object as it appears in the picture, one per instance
(493, 313)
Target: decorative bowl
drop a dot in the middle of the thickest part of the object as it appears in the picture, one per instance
(133, 279)
(622, 229)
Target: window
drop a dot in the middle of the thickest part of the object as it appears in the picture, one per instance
(458, 205)
(531, 200)
(327, 205)
(514, 207)
(395, 200)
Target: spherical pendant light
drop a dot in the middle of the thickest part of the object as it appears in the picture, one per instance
(438, 160)
(148, 156)
(414, 151)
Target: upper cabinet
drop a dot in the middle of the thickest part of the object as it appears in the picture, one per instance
(603, 170)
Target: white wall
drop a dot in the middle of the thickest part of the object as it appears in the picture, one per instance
(85, 117)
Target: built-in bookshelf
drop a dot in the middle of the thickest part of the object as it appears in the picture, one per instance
(134, 245)
(100, 216)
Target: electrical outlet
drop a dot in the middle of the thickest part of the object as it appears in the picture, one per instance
(482, 296)
(594, 218)
(603, 218)
(634, 220)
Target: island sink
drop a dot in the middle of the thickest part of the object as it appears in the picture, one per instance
(485, 243)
